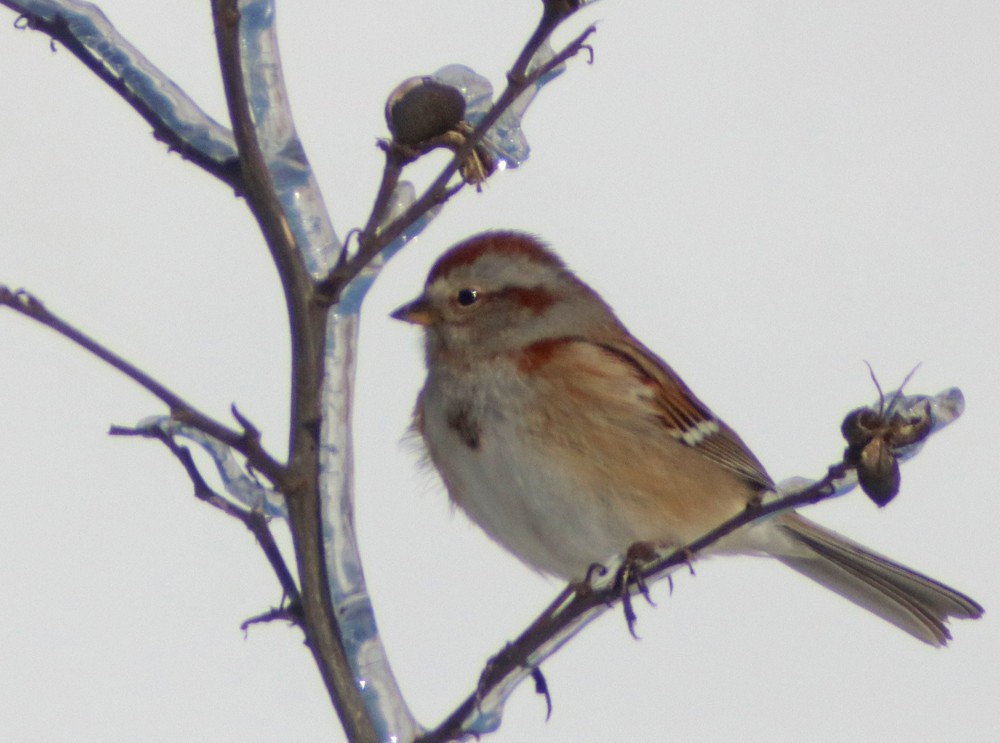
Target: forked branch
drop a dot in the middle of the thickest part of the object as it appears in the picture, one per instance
(307, 326)
(254, 520)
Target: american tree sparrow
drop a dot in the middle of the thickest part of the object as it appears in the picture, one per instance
(568, 441)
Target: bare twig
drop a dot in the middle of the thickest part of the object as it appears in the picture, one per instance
(394, 162)
(253, 520)
(291, 614)
(554, 13)
(247, 441)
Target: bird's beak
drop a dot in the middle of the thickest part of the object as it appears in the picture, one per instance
(417, 312)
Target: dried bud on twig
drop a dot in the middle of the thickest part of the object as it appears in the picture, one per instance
(874, 438)
(423, 114)
(421, 108)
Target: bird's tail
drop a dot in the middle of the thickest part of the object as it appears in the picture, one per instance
(911, 601)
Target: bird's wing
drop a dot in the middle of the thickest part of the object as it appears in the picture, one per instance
(685, 417)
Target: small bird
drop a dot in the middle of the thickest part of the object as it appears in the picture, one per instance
(568, 441)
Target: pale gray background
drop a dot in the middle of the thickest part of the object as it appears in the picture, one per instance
(769, 193)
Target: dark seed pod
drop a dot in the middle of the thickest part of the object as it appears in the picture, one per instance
(877, 438)
(421, 108)
(878, 472)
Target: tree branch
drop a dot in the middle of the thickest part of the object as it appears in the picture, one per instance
(176, 120)
(253, 520)
(247, 441)
(307, 321)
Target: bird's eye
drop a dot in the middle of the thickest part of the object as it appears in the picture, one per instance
(465, 297)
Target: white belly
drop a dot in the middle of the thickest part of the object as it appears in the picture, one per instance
(541, 502)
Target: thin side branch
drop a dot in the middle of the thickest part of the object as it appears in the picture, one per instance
(280, 614)
(394, 163)
(246, 442)
(255, 521)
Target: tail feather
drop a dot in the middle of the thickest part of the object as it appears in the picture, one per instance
(913, 602)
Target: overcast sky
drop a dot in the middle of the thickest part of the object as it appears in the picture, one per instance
(768, 193)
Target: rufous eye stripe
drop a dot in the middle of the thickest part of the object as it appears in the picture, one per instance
(535, 298)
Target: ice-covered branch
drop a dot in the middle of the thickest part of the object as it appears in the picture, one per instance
(177, 120)
(291, 177)
(283, 195)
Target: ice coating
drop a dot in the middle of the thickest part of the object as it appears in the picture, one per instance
(299, 194)
(138, 75)
(382, 697)
(293, 179)
(243, 489)
(505, 139)
(944, 408)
